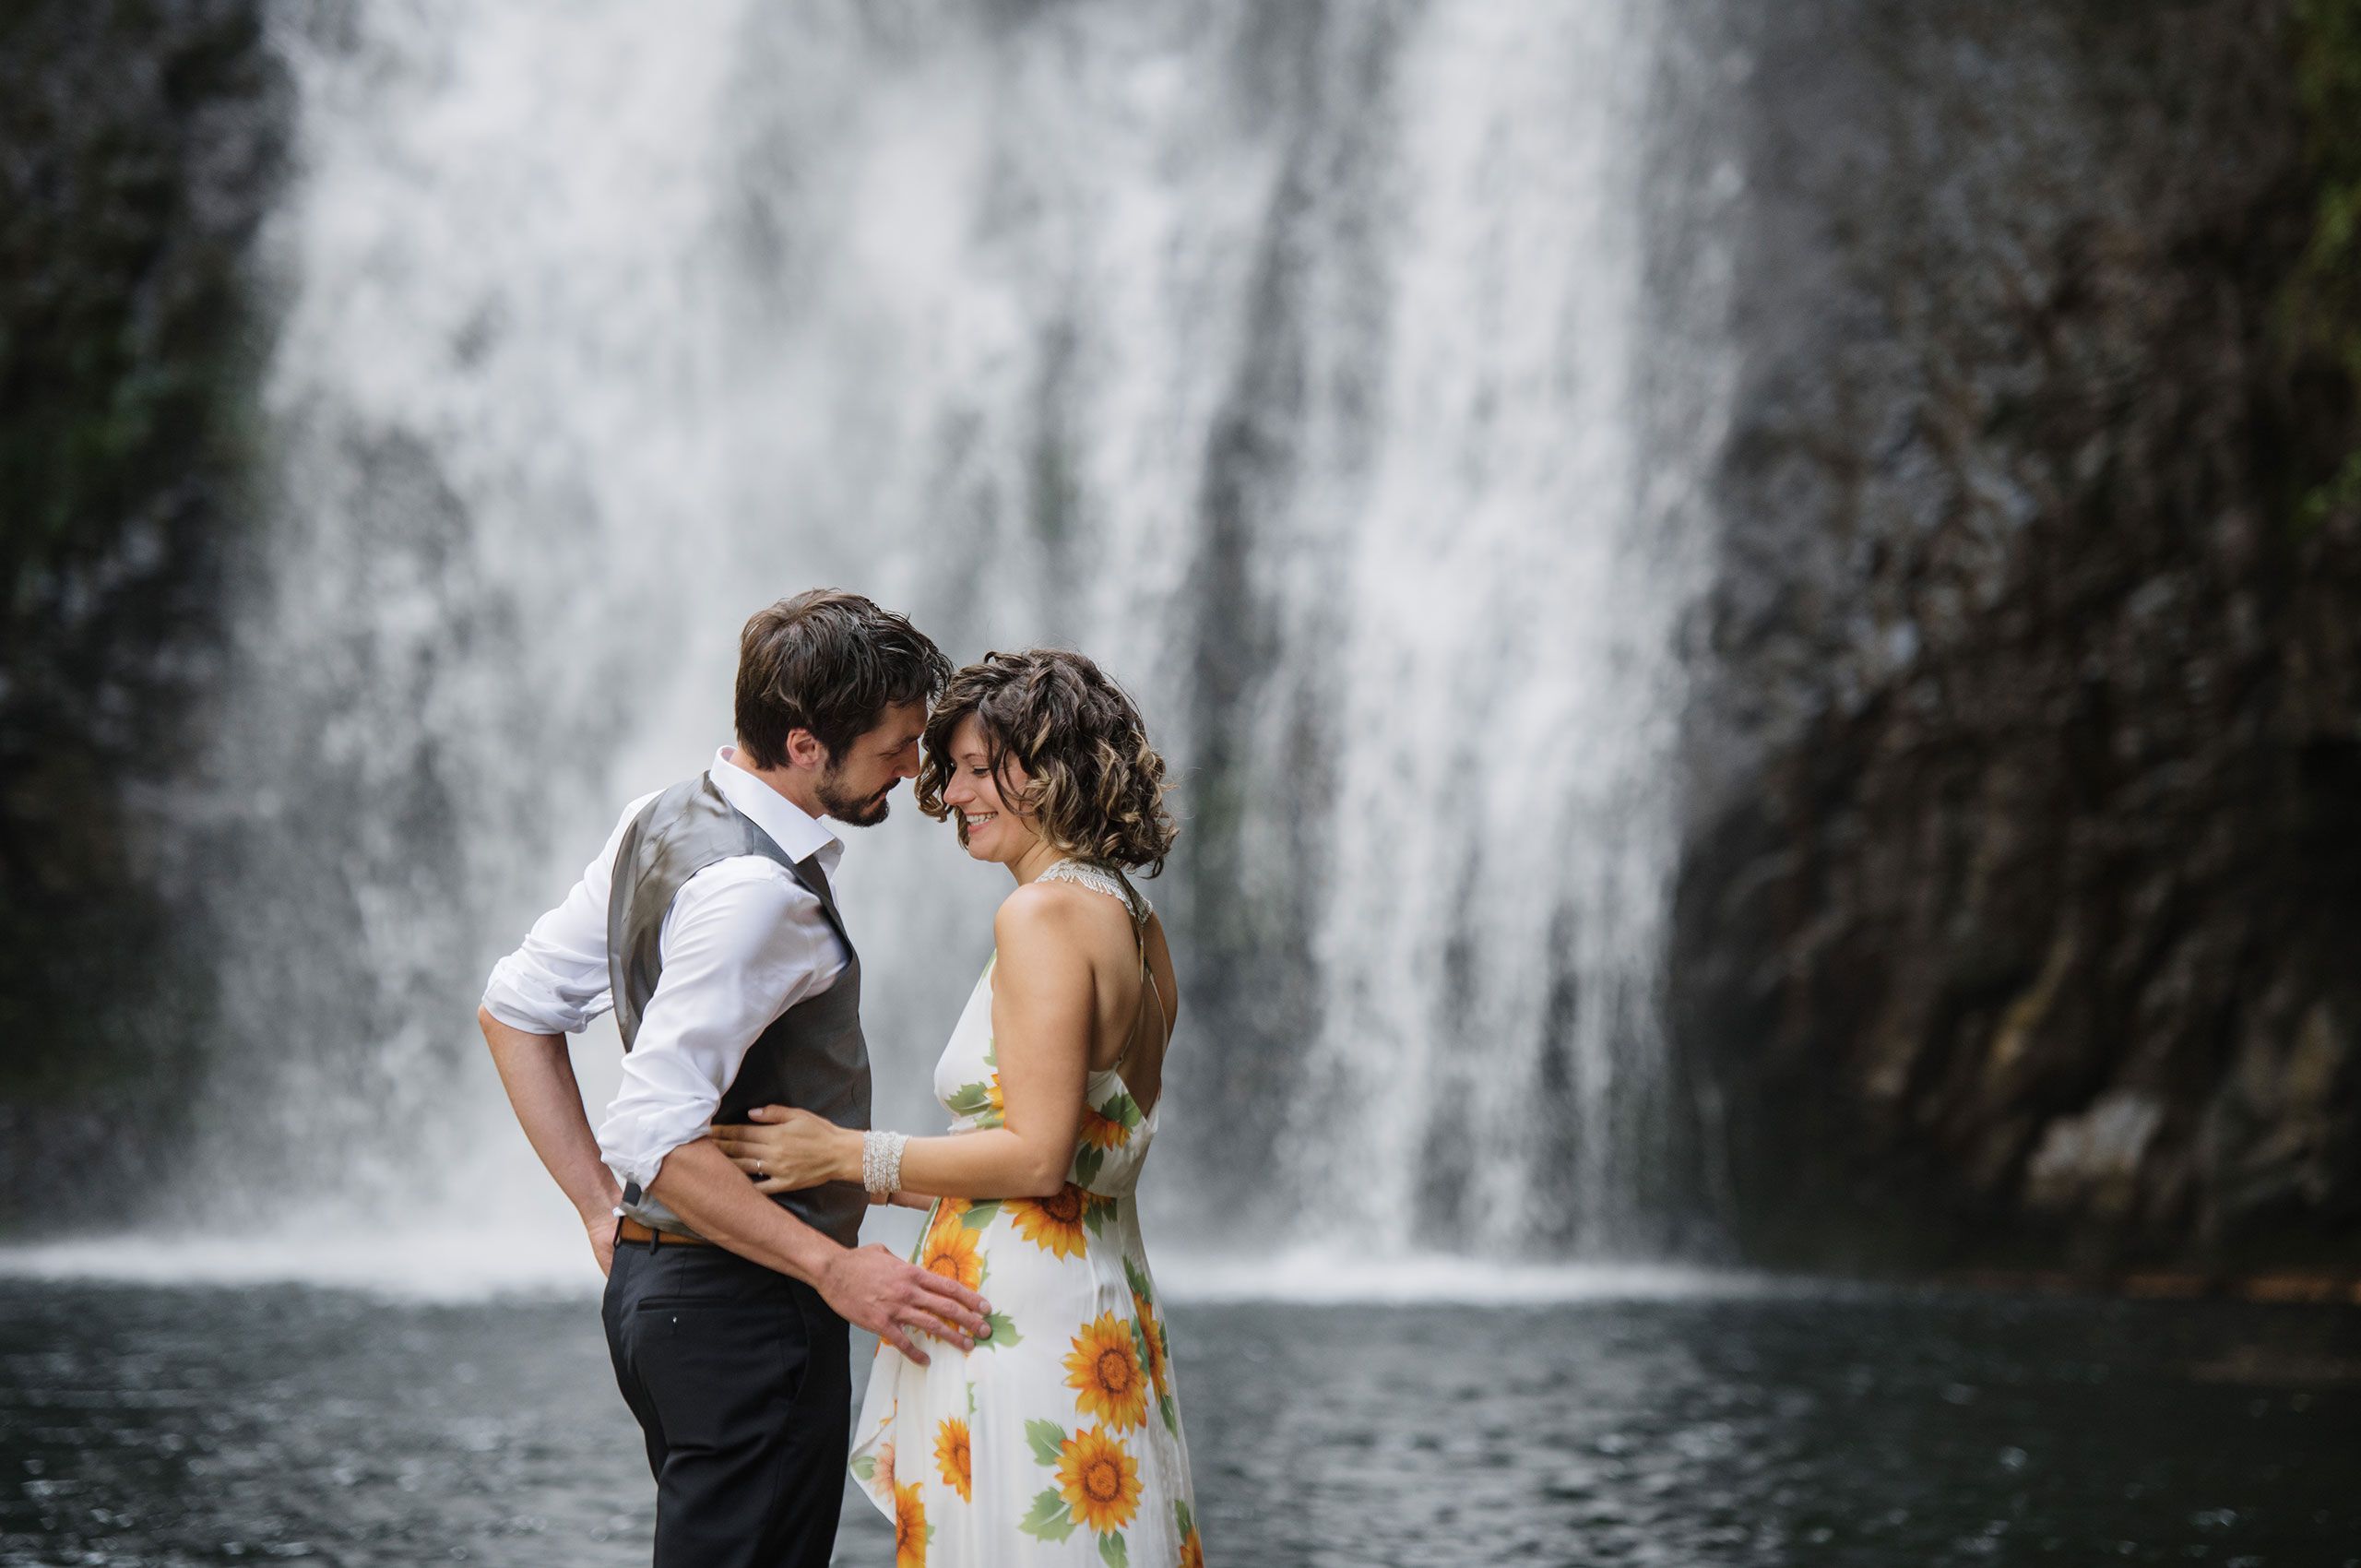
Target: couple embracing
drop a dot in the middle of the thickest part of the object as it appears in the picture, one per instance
(1020, 1410)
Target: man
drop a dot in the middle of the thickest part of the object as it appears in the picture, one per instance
(709, 924)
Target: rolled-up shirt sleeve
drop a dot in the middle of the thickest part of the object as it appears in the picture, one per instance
(744, 941)
(555, 982)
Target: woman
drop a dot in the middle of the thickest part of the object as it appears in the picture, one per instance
(1057, 1439)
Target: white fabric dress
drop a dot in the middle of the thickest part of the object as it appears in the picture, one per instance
(1056, 1441)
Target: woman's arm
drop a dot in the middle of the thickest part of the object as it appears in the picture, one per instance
(1044, 1000)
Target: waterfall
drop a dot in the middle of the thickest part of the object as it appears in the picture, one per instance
(1486, 1064)
(1290, 359)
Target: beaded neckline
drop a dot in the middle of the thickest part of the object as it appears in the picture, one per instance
(1101, 878)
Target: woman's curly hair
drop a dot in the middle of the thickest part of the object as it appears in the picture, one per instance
(1094, 787)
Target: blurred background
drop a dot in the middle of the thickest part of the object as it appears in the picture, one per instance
(1753, 607)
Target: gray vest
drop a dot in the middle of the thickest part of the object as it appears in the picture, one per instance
(813, 1056)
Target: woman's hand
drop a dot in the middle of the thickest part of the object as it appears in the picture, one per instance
(787, 1150)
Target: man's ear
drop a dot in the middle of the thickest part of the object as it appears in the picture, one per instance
(804, 750)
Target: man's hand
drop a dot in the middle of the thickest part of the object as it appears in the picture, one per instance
(538, 1076)
(871, 1286)
(599, 1224)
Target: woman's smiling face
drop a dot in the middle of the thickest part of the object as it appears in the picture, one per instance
(987, 827)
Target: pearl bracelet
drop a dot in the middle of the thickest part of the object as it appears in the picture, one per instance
(881, 1162)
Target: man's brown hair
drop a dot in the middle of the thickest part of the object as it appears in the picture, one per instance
(831, 663)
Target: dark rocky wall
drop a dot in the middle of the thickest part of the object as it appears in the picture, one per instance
(139, 149)
(2022, 918)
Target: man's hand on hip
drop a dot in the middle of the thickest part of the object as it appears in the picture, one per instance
(599, 1225)
(871, 1287)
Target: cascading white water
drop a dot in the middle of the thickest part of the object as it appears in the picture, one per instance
(1488, 1062)
(1281, 357)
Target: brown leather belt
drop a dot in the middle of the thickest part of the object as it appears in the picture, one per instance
(630, 1230)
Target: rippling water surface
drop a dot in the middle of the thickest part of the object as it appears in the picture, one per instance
(166, 1426)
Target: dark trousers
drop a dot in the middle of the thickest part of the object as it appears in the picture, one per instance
(741, 1381)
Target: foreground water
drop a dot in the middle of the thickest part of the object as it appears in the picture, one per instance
(165, 1426)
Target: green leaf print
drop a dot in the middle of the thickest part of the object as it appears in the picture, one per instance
(970, 1099)
(1094, 1210)
(864, 1466)
(1110, 1547)
(1166, 1405)
(1182, 1516)
(1048, 1441)
(1137, 1280)
(1086, 1161)
(1003, 1334)
(1048, 1519)
(980, 1214)
(1123, 1108)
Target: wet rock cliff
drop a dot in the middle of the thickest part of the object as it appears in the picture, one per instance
(140, 146)
(2022, 918)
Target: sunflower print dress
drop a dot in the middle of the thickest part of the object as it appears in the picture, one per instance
(1057, 1440)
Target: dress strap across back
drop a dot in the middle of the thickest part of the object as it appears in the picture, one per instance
(1115, 884)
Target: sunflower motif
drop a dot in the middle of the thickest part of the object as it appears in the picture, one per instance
(1152, 1335)
(952, 1458)
(950, 1251)
(911, 1531)
(1193, 1550)
(1099, 1480)
(883, 1477)
(1054, 1223)
(1101, 1132)
(1104, 1372)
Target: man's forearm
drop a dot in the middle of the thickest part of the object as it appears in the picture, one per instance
(538, 1073)
(697, 1182)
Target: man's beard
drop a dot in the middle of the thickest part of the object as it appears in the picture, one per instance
(860, 810)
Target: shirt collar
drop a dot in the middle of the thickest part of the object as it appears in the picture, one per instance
(801, 837)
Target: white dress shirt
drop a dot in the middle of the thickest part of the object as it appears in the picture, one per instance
(742, 942)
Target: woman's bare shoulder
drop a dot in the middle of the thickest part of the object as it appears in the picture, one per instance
(1060, 911)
